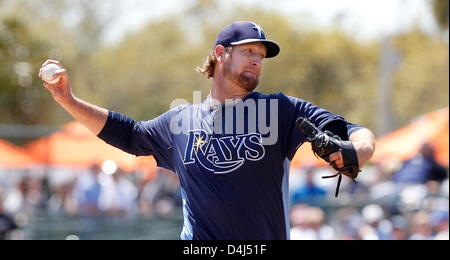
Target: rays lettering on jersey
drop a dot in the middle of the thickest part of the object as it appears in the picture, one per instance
(223, 154)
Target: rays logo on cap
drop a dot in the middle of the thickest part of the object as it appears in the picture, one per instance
(257, 27)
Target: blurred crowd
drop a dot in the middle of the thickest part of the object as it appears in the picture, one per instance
(93, 194)
(392, 200)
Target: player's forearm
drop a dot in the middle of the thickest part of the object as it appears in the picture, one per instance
(364, 142)
(91, 116)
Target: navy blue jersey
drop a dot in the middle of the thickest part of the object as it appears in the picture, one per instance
(232, 160)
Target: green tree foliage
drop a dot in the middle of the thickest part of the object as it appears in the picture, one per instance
(30, 33)
(146, 71)
(154, 65)
(21, 99)
(440, 11)
(422, 81)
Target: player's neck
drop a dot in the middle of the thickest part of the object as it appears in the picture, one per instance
(223, 90)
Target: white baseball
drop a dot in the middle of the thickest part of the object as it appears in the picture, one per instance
(48, 73)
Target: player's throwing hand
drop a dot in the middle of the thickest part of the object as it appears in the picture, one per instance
(60, 90)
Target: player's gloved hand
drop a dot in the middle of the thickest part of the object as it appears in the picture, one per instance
(325, 143)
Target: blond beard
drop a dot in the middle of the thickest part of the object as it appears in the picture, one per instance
(247, 83)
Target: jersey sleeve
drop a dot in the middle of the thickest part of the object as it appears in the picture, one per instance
(141, 138)
(293, 108)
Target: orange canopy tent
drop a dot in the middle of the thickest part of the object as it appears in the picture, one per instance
(305, 157)
(12, 156)
(76, 146)
(405, 142)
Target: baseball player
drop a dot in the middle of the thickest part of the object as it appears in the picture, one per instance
(232, 151)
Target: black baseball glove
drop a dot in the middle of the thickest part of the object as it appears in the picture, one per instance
(324, 143)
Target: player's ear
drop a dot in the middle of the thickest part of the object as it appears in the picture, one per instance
(219, 51)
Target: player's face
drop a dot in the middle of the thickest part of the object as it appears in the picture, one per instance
(244, 65)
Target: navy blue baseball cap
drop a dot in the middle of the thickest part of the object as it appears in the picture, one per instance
(242, 32)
